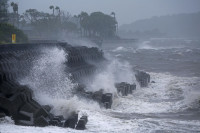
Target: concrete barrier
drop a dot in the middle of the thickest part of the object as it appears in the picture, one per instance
(16, 100)
(143, 78)
(124, 88)
(104, 99)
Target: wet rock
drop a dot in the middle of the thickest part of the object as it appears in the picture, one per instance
(85, 118)
(2, 114)
(107, 100)
(81, 123)
(124, 88)
(53, 123)
(21, 107)
(47, 108)
(59, 118)
(41, 121)
(143, 78)
(16, 100)
(25, 111)
(57, 121)
(71, 121)
(104, 99)
(98, 95)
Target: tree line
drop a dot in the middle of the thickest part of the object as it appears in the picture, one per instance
(96, 24)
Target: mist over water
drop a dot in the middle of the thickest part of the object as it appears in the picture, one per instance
(167, 46)
(174, 66)
(47, 75)
(50, 82)
(114, 72)
(77, 41)
(173, 98)
(178, 56)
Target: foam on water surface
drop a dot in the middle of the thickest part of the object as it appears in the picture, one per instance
(168, 94)
(156, 108)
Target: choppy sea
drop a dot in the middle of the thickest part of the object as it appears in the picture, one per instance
(170, 104)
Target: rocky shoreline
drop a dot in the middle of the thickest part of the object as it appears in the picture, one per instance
(17, 101)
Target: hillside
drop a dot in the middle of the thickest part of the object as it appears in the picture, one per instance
(180, 25)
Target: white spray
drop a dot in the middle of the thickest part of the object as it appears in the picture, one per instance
(114, 72)
(49, 80)
(48, 76)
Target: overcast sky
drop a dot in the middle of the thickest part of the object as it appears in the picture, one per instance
(126, 11)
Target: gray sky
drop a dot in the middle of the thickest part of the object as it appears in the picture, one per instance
(126, 11)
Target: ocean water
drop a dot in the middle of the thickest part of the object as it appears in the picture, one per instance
(170, 105)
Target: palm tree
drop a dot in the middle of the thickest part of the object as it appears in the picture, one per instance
(15, 10)
(12, 4)
(83, 18)
(58, 9)
(3, 10)
(52, 8)
(15, 7)
(113, 13)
